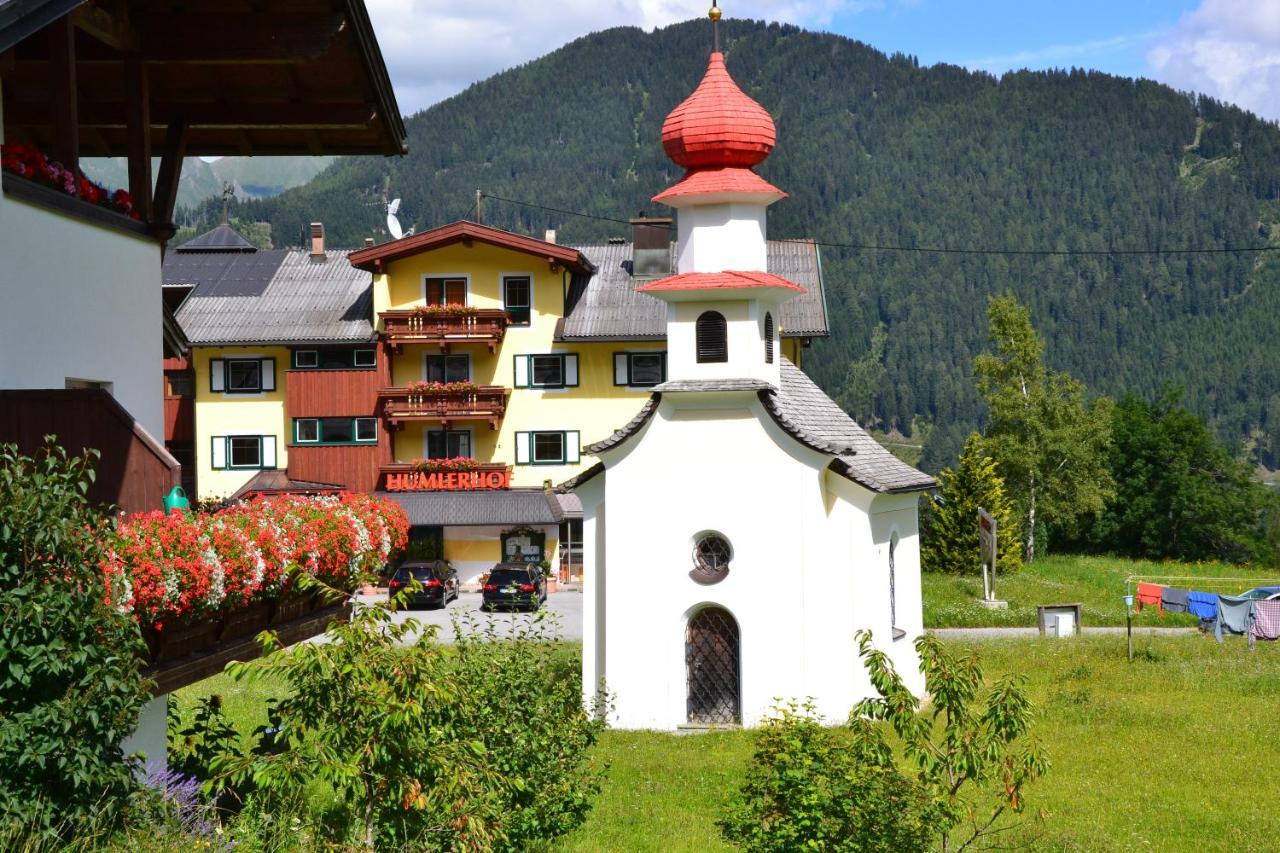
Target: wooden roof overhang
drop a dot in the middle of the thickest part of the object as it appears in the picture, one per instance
(375, 258)
(137, 78)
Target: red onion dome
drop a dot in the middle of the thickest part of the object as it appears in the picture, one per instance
(718, 125)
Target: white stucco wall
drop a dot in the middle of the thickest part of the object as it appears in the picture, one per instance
(718, 237)
(82, 301)
(151, 737)
(744, 325)
(807, 570)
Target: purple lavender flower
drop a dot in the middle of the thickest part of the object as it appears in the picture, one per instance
(195, 816)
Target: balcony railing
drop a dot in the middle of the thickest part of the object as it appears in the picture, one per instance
(406, 477)
(483, 326)
(483, 403)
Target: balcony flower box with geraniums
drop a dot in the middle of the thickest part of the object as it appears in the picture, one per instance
(450, 310)
(441, 389)
(29, 163)
(455, 464)
(193, 581)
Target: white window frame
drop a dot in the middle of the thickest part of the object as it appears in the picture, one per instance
(570, 371)
(355, 430)
(355, 359)
(465, 276)
(315, 359)
(297, 431)
(502, 292)
(427, 356)
(570, 447)
(623, 370)
(227, 364)
(426, 440)
(267, 458)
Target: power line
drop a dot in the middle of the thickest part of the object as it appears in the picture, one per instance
(872, 247)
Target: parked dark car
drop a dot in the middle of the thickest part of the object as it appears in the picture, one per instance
(438, 582)
(515, 585)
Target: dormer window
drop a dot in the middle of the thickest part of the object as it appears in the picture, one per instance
(712, 338)
(768, 338)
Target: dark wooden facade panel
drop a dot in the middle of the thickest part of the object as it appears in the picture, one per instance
(352, 466)
(134, 472)
(332, 393)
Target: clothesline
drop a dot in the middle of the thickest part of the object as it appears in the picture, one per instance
(1253, 580)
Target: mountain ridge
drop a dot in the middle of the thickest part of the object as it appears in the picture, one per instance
(877, 150)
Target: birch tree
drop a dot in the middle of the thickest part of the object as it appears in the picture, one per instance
(1048, 443)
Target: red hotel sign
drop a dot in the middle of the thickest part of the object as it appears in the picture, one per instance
(448, 481)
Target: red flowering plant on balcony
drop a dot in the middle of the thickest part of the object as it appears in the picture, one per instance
(434, 389)
(454, 464)
(449, 309)
(179, 568)
(27, 161)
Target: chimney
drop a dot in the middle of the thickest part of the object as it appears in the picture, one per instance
(651, 246)
(317, 241)
(368, 242)
(551, 235)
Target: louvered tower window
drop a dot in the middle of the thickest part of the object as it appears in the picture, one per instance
(768, 338)
(712, 338)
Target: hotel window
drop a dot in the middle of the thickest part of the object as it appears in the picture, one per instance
(335, 430)
(242, 375)
(768, 338)
(447, 368)
(639, 369)
(517, 298)
(448, 444)
(553, 370)
(335, 359)
(548, 447)
(711, 334)
(243, 452)
(445, 291)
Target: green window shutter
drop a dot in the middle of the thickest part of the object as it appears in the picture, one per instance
(268, 374)
(523, 453)
(572, 447)
(571, 370)
(217, 375)
(621, 374)
(521, 371)
(218, 452)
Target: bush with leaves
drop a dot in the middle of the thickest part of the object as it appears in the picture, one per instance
(949, 540)
(70, 690)
(479, 746)
(971, 749)
(808, 788)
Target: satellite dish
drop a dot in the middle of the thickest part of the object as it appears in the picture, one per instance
(393, 224)
(394, 207)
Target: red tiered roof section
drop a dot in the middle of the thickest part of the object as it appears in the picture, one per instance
(718, 133)
(727, 280)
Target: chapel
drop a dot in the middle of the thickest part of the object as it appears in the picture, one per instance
(741, 528)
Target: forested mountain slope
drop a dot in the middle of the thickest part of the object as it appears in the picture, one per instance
(876, 150)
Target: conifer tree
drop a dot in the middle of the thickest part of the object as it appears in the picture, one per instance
(950, 540)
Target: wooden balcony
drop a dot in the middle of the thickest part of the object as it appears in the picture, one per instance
(484, 403)
(485, 326)
(405, 477)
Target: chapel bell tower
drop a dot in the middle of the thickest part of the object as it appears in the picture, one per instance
(722, 304)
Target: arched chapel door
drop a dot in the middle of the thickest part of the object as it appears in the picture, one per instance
(711, 664)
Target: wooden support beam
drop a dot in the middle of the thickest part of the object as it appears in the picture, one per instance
(109, 27)
(139, 124)
(175, 149)
(233, 116)
(62, 84)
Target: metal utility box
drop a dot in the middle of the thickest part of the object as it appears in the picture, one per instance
(1059, 620)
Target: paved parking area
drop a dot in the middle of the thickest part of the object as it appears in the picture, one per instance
(565, 608)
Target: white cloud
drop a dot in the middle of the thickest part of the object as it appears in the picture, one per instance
(436, 48)
(1229, 49)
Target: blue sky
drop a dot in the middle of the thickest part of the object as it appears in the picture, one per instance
(1226, 48)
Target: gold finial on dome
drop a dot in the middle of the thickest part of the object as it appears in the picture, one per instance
(714, 14)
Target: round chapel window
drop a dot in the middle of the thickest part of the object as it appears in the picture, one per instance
(711, 556)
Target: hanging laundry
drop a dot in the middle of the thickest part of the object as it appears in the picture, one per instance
(1266, 620)
(1149, 593)
(1235, 616)
(1203, 604)
(1173, 600)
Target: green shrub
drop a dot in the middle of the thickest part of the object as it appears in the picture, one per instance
(949, 540)
(70, 690)
(808, 788)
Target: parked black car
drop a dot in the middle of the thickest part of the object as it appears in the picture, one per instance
(515, 585)
(437, 579)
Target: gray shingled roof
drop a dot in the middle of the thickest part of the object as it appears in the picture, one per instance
(224, 238)
(811, 417)
(517, 506)
(301, 300)
(610, 308)
(714, 385)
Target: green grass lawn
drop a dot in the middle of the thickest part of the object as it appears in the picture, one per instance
(1171, 752)
(951, 601)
